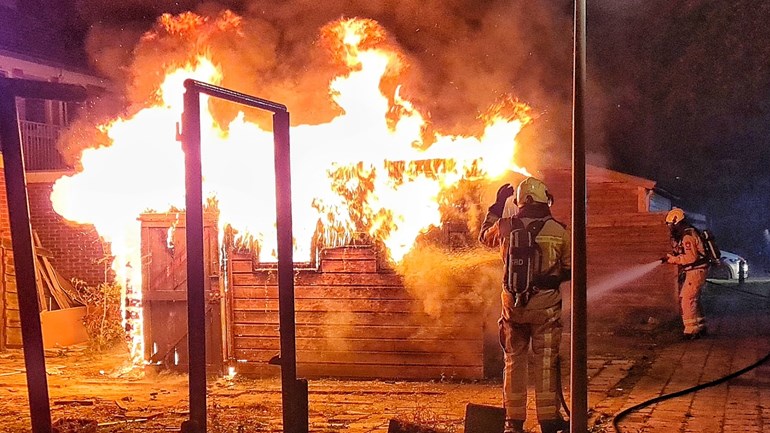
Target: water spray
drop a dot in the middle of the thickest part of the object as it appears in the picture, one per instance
(620, 278)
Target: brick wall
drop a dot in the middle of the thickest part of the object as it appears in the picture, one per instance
(78, 251)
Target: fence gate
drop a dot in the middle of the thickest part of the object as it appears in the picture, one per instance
(164, 292)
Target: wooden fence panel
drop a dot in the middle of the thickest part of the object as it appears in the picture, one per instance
(352, 320)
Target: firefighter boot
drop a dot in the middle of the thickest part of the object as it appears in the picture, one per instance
(554, 426)
(514, 426)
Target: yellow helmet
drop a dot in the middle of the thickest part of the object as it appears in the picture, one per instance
(534, 189)
(674, 216)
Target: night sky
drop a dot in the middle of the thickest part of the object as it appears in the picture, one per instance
(679, 90)
(690, 105)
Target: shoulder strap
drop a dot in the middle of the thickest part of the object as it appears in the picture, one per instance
(536, 226)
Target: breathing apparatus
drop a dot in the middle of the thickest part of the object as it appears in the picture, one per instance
(675, 219)
(524, 261)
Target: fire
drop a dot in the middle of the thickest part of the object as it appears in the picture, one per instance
(374, 168)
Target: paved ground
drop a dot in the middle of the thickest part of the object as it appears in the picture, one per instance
(624, 370)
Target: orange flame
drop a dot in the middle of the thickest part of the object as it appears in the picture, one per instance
(372, 169)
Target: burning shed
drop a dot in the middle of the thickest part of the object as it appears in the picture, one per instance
(361, 315)
(371, 184)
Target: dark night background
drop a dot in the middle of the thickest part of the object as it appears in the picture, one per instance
(679, 89)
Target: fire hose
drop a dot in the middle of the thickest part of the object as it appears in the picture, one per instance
(622, 414)
(660, 398)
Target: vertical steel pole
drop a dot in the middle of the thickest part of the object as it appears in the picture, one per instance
(578, 349)
(196, 303)
(24, 260)
(294, 421)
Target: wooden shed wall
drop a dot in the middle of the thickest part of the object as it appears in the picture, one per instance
(617, 245)
(353, 319)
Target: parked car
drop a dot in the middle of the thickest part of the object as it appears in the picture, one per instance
(729, 267)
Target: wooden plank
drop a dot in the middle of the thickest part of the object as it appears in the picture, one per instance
(13, 336)
(327, 292)
(177, 219)
(372, 344)
(40, 288)
(244, 266)
(10, 285)
(313, 278)
(11, 301)
(61, 294)
(67, 287)
(370, 358)
(164, 295)
(349, 253)
(52, 285)
(12, 318)
(332, 305)
(240, 330)
(356, 266)
(619, 219)
(353, 371)
(354, 318)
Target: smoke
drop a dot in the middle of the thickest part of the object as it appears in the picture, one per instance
(601, 288)
(460, 56)
(445, 281)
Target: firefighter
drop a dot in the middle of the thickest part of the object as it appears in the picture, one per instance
(534, 316)
(689, 254)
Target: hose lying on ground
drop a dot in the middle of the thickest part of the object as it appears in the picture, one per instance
(715, 382)
(658, 399)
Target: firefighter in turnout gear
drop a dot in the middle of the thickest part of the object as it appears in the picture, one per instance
(536, 259)
(690, 255)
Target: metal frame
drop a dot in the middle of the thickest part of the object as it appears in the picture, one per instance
(21, 234)
(294, 391)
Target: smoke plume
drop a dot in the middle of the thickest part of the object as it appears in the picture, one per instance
(460, 56)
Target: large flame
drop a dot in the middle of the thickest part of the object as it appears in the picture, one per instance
(375, 168)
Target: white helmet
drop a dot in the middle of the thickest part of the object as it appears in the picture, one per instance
(675, 216)
(532, 190)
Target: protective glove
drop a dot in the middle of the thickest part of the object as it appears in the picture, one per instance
(503, 193)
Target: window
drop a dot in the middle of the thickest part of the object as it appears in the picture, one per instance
(34, 111)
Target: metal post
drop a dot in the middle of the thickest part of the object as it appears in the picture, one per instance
(196, 307)
(293, 419)
(578, 346)
(24, 260)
